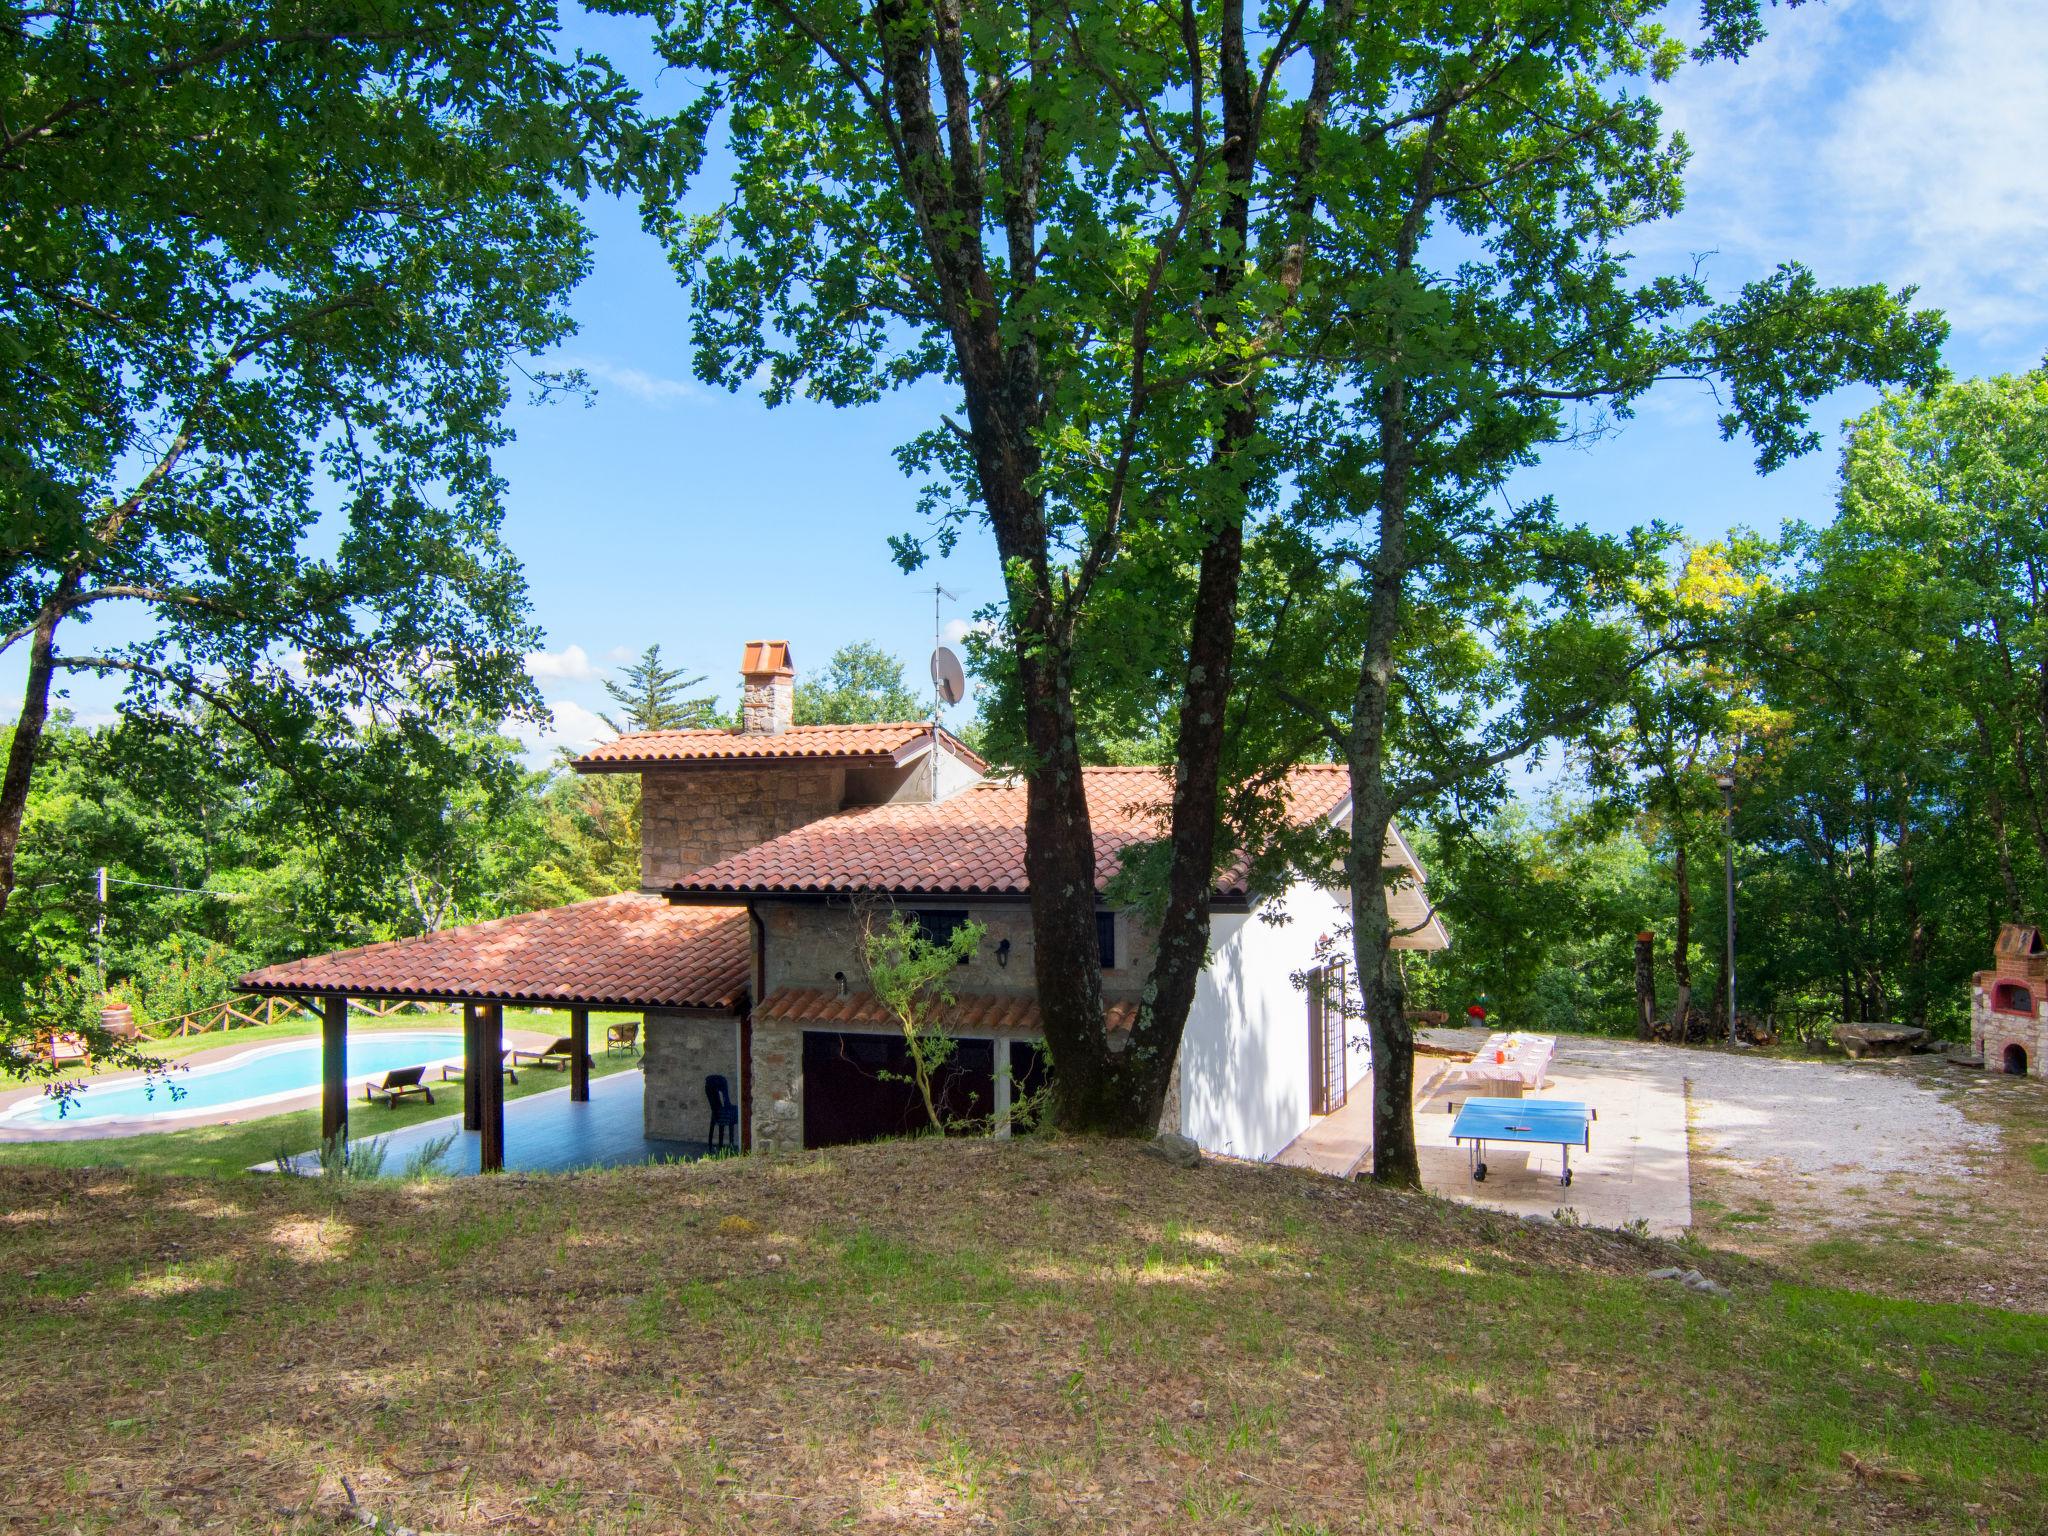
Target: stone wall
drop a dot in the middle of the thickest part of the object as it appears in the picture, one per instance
(809, 942)
(778, 1088)
(691, 817)
(681, 1050)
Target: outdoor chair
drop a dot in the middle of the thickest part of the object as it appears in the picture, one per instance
(454, 1074)
(558, 1055)
(622, 1037)
(403, 1083)
(725, 1115)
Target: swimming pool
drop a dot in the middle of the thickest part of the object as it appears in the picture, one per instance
(264, 1074)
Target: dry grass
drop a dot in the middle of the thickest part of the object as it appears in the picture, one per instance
(1981, 1238)
(963, 1336)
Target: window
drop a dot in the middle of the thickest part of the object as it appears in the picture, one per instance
(939, 926)
(2011, 997)
(1105, 939)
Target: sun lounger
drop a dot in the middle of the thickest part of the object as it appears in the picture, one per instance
(453, 1072)
(402, 1083)
(559, 1055)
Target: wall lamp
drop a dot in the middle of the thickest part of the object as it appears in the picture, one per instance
(1003, 954)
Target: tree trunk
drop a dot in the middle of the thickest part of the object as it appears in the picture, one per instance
(28, 736)
(1646, 986)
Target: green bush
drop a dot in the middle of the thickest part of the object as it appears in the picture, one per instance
(183, 974)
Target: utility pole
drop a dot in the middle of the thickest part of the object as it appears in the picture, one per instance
(99, 929)
(1726, 781)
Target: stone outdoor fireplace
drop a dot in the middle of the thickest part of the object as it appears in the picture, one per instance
(2009, 1005)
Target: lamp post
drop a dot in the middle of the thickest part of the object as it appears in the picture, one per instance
(1727, 786)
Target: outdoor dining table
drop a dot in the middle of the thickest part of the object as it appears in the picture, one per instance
(1511, 1063)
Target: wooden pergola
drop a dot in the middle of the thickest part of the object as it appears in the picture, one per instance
(617, 954)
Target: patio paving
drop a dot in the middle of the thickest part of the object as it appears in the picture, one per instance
(1638, 1169)
(544, 1133)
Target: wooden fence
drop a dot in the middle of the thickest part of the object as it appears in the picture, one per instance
(244, 1011)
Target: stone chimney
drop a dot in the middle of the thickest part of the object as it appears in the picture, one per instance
(768, 688)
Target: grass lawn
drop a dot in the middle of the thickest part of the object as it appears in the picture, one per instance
(1024, 1336)
(231, 1149)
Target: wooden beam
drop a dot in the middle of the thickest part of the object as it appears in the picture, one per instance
(579, 1056)
(472, 1070)
(333, 1068)
(491, 1087)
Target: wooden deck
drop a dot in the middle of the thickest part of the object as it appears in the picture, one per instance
(544, 1133)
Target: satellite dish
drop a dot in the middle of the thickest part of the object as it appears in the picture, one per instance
(947, 676)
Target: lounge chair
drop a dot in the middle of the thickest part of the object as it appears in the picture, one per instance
(557, 1055)
(402, 1083)
(65, 1048)
(454, 1073)
(622, 1037)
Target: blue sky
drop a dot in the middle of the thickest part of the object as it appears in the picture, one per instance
(1900, 141)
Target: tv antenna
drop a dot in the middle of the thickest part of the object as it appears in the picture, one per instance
(949, 680)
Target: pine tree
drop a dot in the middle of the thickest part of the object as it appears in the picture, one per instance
(651, 697)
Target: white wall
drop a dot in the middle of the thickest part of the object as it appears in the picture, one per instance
(1245, 1057)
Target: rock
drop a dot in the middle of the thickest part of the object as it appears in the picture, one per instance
(1669, 1273)
(1959, 1057)
(1176, 1149)
(1861, 1040)
(1692, 1280)
(1539, 1219)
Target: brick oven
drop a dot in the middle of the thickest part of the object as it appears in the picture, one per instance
(2009, 1005)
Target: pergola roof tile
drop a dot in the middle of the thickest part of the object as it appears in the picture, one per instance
(626, 951)
(972, 1011)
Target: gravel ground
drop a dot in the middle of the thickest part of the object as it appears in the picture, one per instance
(1873, 1118)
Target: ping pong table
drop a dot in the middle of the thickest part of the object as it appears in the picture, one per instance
(1545, 1122)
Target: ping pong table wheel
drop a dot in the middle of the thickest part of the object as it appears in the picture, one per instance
(1479, 1173)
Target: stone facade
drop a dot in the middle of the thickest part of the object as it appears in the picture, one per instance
(808, 942)
(681, 1050)
(691, 817)
(778, 1088)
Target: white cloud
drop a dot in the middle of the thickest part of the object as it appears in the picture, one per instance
(571, 725)
(652, 388)
(619, 655)
(955, 630)
(1901, 141)
(568, 666)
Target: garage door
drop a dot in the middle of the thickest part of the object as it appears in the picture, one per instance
(859, 1088)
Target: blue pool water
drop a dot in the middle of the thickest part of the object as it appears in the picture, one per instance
(264, 1072)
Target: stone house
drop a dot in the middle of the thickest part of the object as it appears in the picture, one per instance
(766, 849)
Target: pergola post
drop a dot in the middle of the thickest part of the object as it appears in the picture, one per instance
(472, 1071)
(333, 1068)
(491, 1088)
(579, 1056)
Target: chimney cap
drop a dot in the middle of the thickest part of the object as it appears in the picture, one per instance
(766, 658)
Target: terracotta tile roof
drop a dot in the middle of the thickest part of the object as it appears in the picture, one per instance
(874, 743)
(627, 951)
(973, 1011)
(970, 844)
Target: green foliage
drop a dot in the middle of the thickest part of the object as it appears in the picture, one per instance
(862, 684)
(651, 697)
(268, 269)
(911, 976)
(182, 974)
(588, 840)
